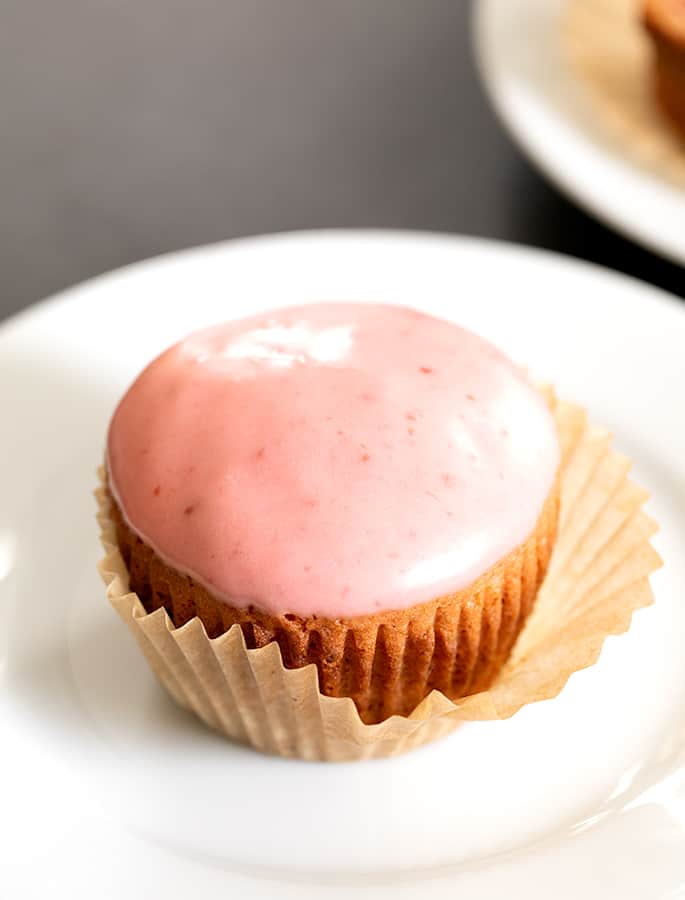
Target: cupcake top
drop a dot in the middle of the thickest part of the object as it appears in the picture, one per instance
(667, 18)
(332, 459)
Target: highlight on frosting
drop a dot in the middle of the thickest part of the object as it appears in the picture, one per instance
(272, 344)
(332, 459)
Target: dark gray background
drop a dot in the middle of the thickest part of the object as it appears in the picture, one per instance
(133, 127)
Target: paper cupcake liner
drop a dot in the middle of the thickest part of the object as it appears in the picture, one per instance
(597, 578)
(608, 47)
(388, 661)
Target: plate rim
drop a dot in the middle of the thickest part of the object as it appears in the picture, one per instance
(22, 318)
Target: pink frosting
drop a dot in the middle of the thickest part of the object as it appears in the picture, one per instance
(333, 460)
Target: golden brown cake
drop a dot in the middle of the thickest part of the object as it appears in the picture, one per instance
(665, 22)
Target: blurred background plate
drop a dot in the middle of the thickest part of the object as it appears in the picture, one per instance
(539, 99)
(110, 790)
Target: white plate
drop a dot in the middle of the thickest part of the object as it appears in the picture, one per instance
(538, 98)
(110, 791)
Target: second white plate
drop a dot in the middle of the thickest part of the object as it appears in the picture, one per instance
(539, 99)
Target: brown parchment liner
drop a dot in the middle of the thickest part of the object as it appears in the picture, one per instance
(607, 45)
(598, 577)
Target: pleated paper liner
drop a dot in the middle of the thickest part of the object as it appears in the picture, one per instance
(598, 577)
(386, 662)
(607, 46)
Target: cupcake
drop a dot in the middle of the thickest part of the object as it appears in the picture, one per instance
(369, 489)
(665, 22)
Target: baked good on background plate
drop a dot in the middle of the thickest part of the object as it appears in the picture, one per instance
(665, 22)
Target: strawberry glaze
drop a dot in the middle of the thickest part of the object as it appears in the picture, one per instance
(333, 459)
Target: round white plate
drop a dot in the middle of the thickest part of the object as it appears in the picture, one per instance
(109, 790)
(539, 99)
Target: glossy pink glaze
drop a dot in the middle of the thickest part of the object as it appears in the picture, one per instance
(334, 459)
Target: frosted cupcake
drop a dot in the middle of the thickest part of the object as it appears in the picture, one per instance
(373, 489)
